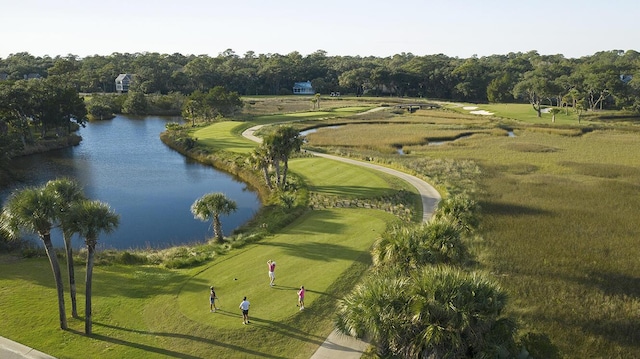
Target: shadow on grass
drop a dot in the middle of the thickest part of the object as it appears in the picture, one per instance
(167, 352)
(284, 287)
(320, 222)
(136, 282)
(286, 330)
(623, 328)
(624, 331)
(504, 209)
(352, 191)
(325, 252)
(612, 284)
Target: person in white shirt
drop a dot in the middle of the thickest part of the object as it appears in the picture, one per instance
(244, 306)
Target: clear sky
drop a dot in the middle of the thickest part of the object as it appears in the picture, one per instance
(457, 28)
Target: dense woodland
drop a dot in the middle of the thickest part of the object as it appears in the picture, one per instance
(41, 95)
(605, 80)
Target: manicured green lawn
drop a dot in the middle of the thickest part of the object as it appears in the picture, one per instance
(335, 178)
(525, 113)
(220, 137)
(152, 312)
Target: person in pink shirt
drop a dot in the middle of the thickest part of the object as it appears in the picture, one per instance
(301, 298)
(272, 272)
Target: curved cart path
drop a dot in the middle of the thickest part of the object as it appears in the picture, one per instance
(338, 345)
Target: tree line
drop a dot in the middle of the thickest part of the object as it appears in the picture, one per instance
(605, 80)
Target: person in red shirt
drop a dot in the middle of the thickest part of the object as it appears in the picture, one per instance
(301, 298)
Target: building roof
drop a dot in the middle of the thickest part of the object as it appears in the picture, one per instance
(123, 76)
(303, 85)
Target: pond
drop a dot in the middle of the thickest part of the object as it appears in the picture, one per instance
(123, 162)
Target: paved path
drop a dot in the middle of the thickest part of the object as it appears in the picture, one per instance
(338, 345)
(12, 350)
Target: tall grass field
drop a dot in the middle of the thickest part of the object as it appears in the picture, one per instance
(560, 219)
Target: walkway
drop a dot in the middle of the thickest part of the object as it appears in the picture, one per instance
(12, 350)
(338, 345)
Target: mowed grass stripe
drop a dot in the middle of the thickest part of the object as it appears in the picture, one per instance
(335, 178)
(154, 312)
(220, 137)
(314, 251)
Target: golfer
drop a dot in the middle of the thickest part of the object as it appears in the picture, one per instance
(244, 306)
(212, 300)
(272, 272)
(301, 298)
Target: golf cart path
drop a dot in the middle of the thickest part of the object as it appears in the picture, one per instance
(338, 345)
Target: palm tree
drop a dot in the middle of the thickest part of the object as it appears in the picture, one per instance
(67, 192)
(211, 206)
(34, 210)
(260, 160)
(89, 219)
(281, 144)
(290, 142)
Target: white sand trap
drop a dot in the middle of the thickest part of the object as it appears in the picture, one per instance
(482, 112)
(469, 108)
(545, 110)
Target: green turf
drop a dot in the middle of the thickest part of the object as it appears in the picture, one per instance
(335, 178)
(219, 136)
(525, 113)
(152, 312)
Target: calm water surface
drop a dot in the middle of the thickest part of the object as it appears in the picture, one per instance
(123, 162)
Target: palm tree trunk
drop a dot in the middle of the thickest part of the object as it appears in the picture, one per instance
(72, 276)
(276, 165)
(217, 228)
(88, 284)
(57, 275)
(265, 174)
(284, 171)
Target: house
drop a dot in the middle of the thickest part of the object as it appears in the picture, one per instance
(123, 81)
(31, 76)
(626, 78)
(303, 88)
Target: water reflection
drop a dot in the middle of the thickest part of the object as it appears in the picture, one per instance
(124, 163)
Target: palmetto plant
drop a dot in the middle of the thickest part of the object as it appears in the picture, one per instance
(436, 312)
(411, 247)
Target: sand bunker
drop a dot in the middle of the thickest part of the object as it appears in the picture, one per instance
(469, 108)
(482, 112)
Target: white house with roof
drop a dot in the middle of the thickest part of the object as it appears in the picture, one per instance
(303, 88)
(123, 81)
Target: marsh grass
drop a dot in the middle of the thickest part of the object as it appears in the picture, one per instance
(388, 137)
(559, 228)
